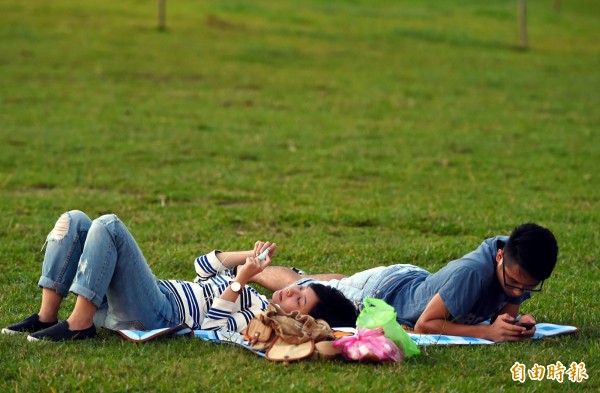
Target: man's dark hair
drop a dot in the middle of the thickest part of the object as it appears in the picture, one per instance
(534, 248)
(333, 307)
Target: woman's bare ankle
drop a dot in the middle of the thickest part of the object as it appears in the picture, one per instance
(47, 317)
(78, 324)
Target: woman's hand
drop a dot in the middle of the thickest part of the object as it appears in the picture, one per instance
(252, 267)
(260, 247)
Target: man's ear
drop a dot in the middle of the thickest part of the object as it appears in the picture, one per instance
(499, 255)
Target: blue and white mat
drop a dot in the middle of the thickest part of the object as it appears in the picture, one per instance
(542, 330)
(219, 337)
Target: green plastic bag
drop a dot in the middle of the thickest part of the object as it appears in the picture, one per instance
(377, 313)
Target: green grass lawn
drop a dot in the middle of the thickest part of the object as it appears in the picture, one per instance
(353, 133)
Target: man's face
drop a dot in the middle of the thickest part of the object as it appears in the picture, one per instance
(514, 280)
(296, 297)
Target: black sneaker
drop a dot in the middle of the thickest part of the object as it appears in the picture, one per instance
(31, 324)
(61, 332)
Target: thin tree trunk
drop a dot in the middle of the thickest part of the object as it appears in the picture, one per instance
(522, 10)
(162, 14)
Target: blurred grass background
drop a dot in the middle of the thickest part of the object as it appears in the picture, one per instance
(352, 133)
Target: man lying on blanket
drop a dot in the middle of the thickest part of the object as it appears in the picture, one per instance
(488, 283)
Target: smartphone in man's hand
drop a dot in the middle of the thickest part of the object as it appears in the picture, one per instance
(526, 325)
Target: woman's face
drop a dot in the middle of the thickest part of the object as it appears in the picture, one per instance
(296, 297)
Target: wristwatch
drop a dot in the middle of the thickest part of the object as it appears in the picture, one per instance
(235, 286)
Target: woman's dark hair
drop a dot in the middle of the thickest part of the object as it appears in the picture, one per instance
(333, 307)
(534, 248)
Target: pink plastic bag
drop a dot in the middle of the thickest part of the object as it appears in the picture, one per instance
(369, 345)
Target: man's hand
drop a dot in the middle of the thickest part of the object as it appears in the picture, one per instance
(528, 322)
(504, 329)
(527, 318)
(434, 320)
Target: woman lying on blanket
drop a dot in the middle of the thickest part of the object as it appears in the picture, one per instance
(101, 263)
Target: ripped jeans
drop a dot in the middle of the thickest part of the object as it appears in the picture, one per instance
(101, 261)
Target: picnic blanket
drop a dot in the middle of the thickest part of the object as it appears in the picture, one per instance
(542, 330)
(215, 336)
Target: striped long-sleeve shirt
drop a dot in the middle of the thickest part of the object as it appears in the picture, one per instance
(199, 302)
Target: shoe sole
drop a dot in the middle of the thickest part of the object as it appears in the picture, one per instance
(8, 331)
(33, 339)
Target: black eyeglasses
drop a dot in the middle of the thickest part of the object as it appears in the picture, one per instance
(524, 289)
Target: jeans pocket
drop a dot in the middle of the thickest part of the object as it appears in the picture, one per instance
(169, 312)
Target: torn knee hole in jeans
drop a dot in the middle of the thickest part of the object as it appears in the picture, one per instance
(61, 228)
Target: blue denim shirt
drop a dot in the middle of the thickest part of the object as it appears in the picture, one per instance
(369, 283)
(468, 286)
